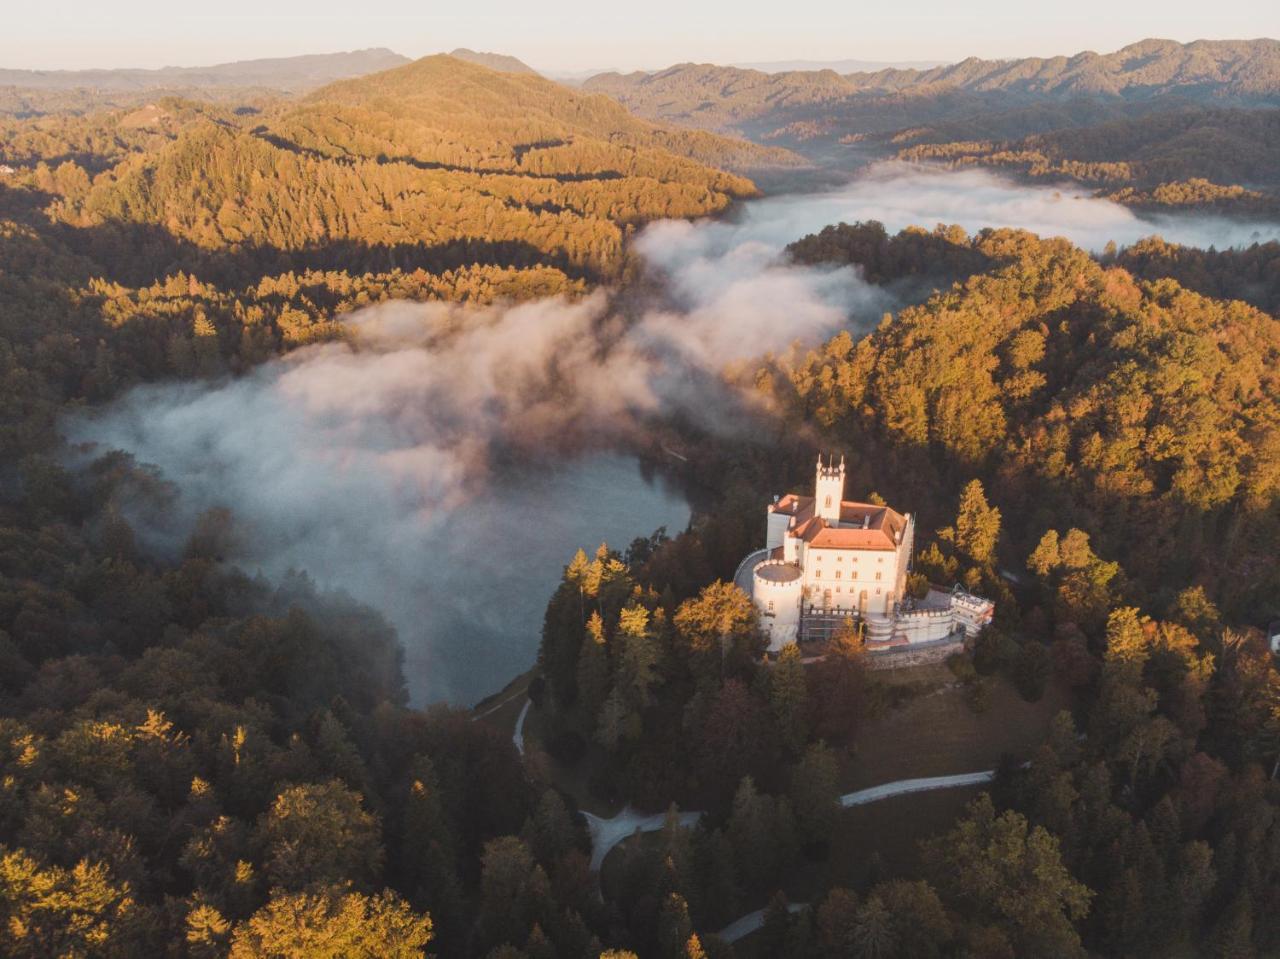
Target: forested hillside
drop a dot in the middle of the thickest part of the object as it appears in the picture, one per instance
(1142, 412)
(1224, 159)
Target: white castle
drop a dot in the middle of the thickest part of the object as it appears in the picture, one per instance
(828, 560)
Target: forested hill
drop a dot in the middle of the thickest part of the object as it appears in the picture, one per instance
(524, 123)
(1195, 156)
(439, 165)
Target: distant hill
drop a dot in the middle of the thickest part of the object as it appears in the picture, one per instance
(1240, 70)
(805, 106)
(494, 61)
(292, 74)
(841, 66)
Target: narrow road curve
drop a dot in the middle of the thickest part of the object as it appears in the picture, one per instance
(517, 737)
(902, 787)
(751, 922)
(607, 833)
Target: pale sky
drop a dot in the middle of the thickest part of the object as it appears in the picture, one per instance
(588, 34)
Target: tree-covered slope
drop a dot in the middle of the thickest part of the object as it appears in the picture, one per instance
(1191, 156)
(1141, 411)
(436, 165)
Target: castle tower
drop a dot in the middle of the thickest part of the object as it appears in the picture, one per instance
(829, 490)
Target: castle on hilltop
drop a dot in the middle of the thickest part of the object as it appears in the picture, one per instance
(828, 560)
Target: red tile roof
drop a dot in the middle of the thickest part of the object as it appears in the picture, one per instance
(862, 525)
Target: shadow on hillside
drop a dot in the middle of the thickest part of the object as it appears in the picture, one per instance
(136, 254)
(519, 151)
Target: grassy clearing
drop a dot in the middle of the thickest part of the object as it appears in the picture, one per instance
(938, 733)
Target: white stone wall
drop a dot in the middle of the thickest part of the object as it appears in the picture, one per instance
(923, 626)
(776, 529)
(847, 577)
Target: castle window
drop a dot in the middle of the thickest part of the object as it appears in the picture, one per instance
(878, 575)
(771, 606)
(837, 574)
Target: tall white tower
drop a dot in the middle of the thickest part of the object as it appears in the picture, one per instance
(829, 490)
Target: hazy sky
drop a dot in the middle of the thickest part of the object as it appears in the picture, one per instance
(588, 34)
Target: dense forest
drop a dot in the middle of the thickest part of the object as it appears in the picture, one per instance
(195, 762)
(1218, 159)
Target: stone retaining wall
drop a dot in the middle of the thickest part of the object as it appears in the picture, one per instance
(916, 654)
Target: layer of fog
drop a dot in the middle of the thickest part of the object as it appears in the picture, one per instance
(443, 462)
(900, 195)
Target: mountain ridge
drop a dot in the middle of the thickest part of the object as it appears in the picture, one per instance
(292, 74)
(791, 106)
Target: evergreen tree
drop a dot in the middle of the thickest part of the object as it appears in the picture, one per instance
(789, 698)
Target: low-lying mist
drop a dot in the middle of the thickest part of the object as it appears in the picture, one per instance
(444, 461)
(901, 195)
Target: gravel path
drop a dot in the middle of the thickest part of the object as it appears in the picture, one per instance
(751, 922)
(902, 787)
(517, 737)
(607, 833)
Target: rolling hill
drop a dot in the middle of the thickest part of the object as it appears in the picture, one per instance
(1191, 156)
